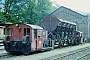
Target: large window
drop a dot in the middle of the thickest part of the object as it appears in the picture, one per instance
(26, 31)
(10, 32)
(40, 33)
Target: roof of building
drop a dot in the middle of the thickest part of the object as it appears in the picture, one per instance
(77, 12)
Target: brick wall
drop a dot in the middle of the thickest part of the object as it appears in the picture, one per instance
(70, 15)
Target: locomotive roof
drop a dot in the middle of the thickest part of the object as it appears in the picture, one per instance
(34, 26)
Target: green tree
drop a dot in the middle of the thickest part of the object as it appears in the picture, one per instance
(2, 18)
(30, 11)
(44, 7)
(13, 10)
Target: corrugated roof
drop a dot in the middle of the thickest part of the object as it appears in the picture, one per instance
(34, 26)
(68, 22)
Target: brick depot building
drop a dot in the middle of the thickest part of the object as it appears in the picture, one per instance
(73, 16)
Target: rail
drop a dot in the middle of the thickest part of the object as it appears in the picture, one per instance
(83, 56)
(5, 55)
(60, 57)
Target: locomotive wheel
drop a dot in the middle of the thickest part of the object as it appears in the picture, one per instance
(76, 42)
(26, 49)
(7, 49)
(6, 46)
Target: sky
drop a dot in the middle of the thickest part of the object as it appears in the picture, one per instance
(79, 5)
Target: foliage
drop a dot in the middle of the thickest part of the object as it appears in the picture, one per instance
(30, 11)
(2, 18)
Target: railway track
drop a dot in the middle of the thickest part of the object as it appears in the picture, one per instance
(62, 56)
(73, 54)
(5, 55)
(83, 56)
(8, 55)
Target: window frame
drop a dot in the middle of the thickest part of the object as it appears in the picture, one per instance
(10, 31)
(40, 33)
(26, 33)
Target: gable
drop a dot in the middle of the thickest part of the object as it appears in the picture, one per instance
(62, 8)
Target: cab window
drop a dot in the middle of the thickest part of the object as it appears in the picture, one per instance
(10, 32)
(26, 31)
(40, 33)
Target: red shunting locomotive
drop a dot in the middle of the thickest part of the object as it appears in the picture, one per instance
(24, 38)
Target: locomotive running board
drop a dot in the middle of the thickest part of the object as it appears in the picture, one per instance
(47, 48)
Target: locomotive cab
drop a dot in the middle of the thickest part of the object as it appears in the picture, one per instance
(24, 38)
